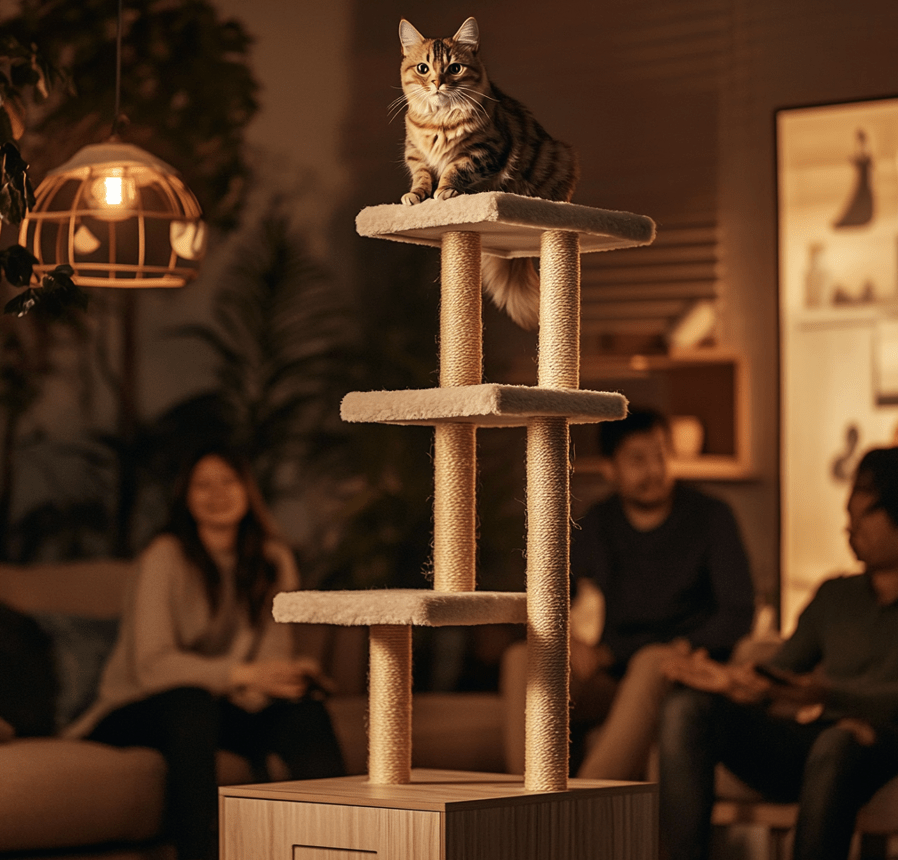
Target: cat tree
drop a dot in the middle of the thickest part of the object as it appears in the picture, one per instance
(478, 815)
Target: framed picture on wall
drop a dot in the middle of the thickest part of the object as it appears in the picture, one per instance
(837, 186)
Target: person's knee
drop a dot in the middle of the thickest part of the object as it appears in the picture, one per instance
(188, 712)
(187, 698)
(682, 712)
(313, 713)
(835, 750)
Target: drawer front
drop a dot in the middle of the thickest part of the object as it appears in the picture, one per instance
(256, 829)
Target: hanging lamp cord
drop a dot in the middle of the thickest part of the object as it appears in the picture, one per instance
(118, 73)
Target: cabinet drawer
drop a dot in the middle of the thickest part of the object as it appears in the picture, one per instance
(257, 829)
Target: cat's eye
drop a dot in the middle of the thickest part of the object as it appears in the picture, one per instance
(422, 68)
(455, 69)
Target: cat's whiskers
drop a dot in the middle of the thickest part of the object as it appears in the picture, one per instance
(480, 93)
(464, 96)
(395, 107)
(419, 100)
(460, 102)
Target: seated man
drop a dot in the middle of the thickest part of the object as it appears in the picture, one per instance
(671, 566)
(817, 724)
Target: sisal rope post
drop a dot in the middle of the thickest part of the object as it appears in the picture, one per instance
(559, 310)
(548, 516)
(455, 445)
(390, 705)
(454, 507)
(548, 606)
(454, 513)
(461, 321)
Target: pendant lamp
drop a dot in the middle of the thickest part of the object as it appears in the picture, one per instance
(117, 215)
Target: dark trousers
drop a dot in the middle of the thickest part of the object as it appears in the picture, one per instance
(187, 725)
(820, 765)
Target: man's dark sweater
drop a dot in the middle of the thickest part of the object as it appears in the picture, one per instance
(688, 578)
(853, 640)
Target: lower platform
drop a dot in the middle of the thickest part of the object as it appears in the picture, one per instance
(440, 815)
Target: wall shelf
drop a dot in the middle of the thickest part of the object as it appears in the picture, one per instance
(709, 384)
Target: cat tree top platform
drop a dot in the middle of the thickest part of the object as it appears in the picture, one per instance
(419, 607)
(485, 405)
(509, 225)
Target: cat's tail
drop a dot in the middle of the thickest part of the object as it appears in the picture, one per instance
(513, 285)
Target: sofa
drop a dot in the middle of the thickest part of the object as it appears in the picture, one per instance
(65, 798)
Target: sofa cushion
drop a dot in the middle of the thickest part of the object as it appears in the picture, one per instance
(58, 793)
(80, 647)
(28, 683)
(95, 588)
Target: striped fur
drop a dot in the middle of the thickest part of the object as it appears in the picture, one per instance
(464, 135)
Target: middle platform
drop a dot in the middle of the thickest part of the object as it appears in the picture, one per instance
(419, 607)
(487, 405)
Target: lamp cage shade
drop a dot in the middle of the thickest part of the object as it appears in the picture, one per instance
(119, 217)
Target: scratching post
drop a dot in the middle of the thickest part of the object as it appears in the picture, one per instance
(455, 445)
(454, 507)
(445, 815)
(390, 704)
(454, 514)
(548, 605)
(546, 726)
(461, 329)
(559, 310)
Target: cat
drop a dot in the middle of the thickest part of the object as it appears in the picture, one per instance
(464, 135)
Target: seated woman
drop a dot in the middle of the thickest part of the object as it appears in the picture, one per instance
(200, 664)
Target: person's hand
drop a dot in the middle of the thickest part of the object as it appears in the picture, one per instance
(800, 696)
(315, 677)
(695, 669)
(681, 647)
(280, 679)
(746, 686)
(699, 671)
(863, 732)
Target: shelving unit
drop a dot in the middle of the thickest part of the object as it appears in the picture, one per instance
(709, 384)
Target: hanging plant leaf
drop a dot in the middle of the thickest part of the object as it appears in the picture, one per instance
(61, 275)
(12, 207)
(13, 164)
(22, 303)
(61, 294)
(56, 297)
(17, 265)
(16, 193)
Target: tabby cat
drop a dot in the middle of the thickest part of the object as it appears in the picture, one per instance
(464, 135)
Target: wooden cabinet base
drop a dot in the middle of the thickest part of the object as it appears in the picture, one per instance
(440, 815)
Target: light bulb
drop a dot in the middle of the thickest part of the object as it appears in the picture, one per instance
(114, 192)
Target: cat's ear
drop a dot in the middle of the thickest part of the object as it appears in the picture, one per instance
(468, 34)
(409, 37)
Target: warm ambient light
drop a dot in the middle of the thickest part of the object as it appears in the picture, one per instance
(119, 217)
(114, 189)
(115, 193)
